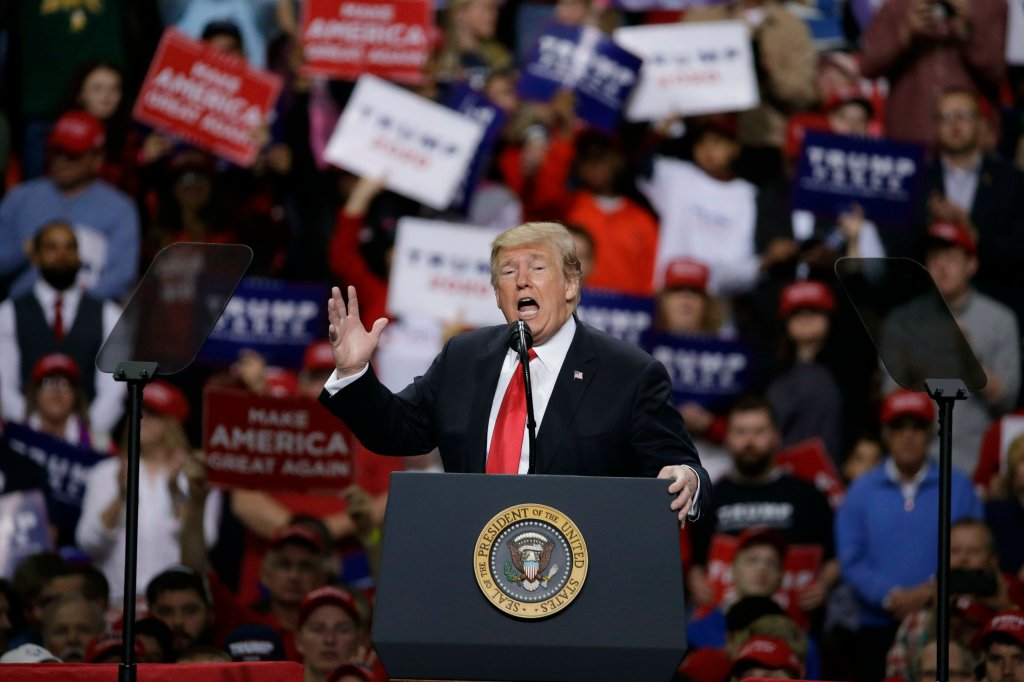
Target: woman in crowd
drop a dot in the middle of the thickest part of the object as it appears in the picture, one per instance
(164, 449)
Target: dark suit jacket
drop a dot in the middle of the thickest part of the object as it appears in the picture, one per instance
(617, 420)
(998, 215)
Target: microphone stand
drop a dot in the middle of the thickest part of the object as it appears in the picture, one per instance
(523, 347)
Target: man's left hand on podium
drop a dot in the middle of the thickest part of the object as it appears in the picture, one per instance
(684, 487)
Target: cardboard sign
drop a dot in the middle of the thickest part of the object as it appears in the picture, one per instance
(24, 529)
(422, 149)
(275, 318)
(801, 568)
(211, 99)
(442, 271)
(67, 467)
(837, 171)
(810, 461)
(624, 317)
(388, 38)
(690, 69)
(264, 443)
(473, 104)
(599, 72)
(1015, 32)
(709, 371)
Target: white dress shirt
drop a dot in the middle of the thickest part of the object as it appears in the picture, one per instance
(543, 374)
(108, 403)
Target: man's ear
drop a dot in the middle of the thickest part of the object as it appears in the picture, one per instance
(572, 287)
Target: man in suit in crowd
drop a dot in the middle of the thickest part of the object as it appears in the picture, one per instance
(966, 186)
(603, 407)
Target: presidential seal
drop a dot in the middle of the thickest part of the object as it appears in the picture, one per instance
(530, 561)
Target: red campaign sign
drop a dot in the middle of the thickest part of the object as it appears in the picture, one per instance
(212, 99)
(389, 38)
(809, 460)
(801, 568)
(267, 443)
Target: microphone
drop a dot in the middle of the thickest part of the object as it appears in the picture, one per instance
(520, 339)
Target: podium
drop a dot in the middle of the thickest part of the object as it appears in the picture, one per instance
(557, 578)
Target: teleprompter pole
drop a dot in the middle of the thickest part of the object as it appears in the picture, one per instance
(945, 392)
(136, 375)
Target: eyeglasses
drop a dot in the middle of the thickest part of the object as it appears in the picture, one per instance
(56, 383)
(952, 115)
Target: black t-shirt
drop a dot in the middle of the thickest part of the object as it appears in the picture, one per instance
(791, 505)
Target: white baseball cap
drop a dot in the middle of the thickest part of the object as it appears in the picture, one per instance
(29, 653)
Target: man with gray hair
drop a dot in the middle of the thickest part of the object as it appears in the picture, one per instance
(70, 623)
(603, 407)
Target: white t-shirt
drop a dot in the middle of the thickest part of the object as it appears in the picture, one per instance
(706, 219)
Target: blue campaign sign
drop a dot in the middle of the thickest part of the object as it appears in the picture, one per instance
(277, 319)
(67, 468)
(711, 372)
(837, 171)
(465, 100)
(600, 72)
(624, 317)
(24, 529)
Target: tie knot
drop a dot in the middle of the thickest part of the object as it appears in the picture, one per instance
(532, 354)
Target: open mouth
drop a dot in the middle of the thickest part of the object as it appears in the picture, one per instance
(527, 308)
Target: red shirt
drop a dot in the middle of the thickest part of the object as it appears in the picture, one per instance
(625, 243)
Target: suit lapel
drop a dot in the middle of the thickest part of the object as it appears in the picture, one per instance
(577, 372)
(485, 383)
(983, 194)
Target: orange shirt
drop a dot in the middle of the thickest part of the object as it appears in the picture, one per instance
(625, 243)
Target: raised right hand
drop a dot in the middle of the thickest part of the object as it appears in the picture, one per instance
(352, 345)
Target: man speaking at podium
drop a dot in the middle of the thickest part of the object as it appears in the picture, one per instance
(602, 407)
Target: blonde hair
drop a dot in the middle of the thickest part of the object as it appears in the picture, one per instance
(541, 233)
(1014, 456)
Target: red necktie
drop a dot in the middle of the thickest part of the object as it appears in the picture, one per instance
(58, 318)
(507, 439)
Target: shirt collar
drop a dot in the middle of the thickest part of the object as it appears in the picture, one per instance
(47, 295)
(969, 170)
(894, 474)
(552, 353)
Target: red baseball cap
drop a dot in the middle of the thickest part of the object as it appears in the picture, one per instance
(806, 295)
(725, 124)
(164, 398)
(955, 235)
(323, 596)
(762, 535)
(1006, 623)
(56, 363)
(297, 533)
(109, 644)
(849, 95)
(686, 273)
(706, 665)
(77, 132)
(318, 356)
(903, 403)
(354, 669)
(768, 652)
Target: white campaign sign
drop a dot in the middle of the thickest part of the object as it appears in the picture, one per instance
(1015, 33)
(691, 69)
(421, 148)
(442, 271)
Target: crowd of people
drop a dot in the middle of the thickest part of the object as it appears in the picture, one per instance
(785, 578)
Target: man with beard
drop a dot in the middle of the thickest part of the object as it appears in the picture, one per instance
(106, 220)
(179, 597)
(755, 493)
(55, 316)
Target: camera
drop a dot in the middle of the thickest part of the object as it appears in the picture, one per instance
(975, 583)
